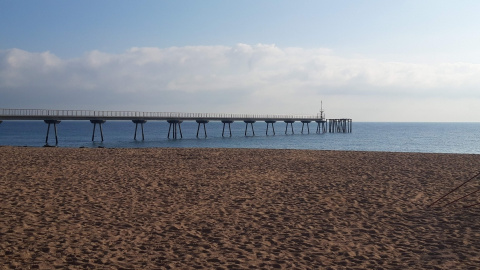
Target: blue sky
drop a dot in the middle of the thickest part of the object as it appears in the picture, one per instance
(367, 60)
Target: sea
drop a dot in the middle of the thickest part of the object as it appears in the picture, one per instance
(461, 138)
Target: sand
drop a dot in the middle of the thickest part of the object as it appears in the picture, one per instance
(235, 209)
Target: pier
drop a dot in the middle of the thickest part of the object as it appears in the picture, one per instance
(175, 119)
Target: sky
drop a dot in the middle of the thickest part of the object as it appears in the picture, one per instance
(387, 61)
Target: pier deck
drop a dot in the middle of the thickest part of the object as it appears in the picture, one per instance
(41, 114)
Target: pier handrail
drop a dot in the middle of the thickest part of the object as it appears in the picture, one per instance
(83, 114)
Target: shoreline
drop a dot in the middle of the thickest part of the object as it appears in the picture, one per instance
(166, 208)
(228, 148)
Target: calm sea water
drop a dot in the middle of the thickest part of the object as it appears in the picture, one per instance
(392, 137)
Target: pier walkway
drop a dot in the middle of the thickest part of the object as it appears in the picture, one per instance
(54, 117)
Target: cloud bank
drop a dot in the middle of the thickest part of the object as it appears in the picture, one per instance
(240, 79)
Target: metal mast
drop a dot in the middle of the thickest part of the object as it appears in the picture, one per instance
(321, 110)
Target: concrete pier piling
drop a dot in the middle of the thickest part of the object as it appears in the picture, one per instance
(306, 122)
(251, 124)
(343, 125)
(100, 123)
(229, 127)
(141, 122)
(175, 123)
(270, 122)
(321, 126)
(291, 125)
(199, 122)
(49, 122)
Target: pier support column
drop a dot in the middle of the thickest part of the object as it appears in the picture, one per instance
(273, 128)
(229, 128)
(291, 125)
(173, 123)
(343, 125)
(321, 126)
(251, 124)
(99, 122)
(306, 122)
(141, 122)
(200, 121)
(331, 125)
(49, 122)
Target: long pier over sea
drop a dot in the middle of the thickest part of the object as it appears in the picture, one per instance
(175, 119)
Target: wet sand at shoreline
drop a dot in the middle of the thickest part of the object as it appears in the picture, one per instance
(235, 209)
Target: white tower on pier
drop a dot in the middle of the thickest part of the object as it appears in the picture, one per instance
(321, 114)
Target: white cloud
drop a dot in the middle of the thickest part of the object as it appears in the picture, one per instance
(243, 78)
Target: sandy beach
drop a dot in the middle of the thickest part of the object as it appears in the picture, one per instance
(235, 209)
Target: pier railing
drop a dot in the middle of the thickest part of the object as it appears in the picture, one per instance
(42, 114)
